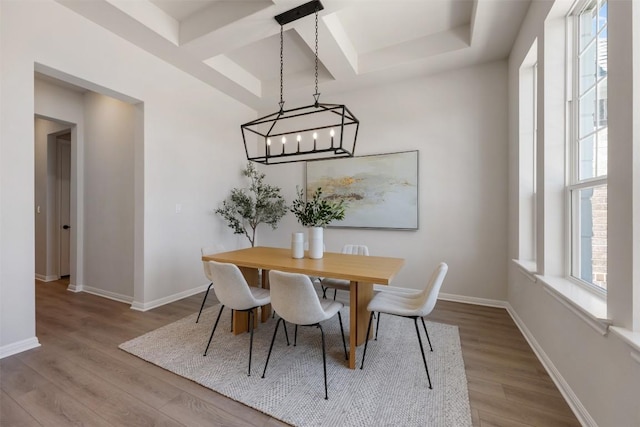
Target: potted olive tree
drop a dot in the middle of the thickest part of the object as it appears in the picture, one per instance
(316, 213)
(246, 208)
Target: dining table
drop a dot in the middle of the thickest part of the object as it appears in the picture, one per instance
(361, 271)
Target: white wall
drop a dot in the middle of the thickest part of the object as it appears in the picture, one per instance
(109, 196)
(190, 153)
(457, 121)
(596, 372)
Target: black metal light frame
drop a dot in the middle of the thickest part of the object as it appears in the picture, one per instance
(336, 117)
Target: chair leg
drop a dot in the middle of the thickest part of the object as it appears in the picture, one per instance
(213, 330)
(426, 333)
(271, 347)
(335, 292)
(295, 337)
(231, 320)
(324, 291)
(286, 334)
(203, 301)
(366, 341)
(344, 343)
(424, 359)
(378, 325)
(324, 362)
(251, 314)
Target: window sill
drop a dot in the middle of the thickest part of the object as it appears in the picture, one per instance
(586, 305)
(631, 338)
(527, 268)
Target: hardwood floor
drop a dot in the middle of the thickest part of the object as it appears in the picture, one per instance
(80, 377)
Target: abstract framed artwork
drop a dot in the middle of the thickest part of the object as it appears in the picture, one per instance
(381, 190)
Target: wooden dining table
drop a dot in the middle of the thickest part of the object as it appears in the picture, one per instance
(361, 271)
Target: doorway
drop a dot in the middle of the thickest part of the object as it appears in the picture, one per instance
(53, 141)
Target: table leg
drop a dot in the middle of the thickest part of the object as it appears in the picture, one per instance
(359, 296)
(266, 309)
(241, 319)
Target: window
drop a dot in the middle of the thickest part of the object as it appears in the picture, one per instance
(588, 146)
(528, 118)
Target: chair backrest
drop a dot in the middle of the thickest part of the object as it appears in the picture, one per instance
(355, 250)
(208, 250)
(230, 286)
(429, 296)
(294, 298)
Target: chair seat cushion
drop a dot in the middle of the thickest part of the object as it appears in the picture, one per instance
(392, 303)
(261, 295)
(341, 284)
(330, 307)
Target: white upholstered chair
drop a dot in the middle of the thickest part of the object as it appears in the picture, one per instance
(340, 284)
(412, 305)
(295, 300)
(208, 250)
(232, 291)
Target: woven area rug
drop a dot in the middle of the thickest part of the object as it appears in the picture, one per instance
(392, 390)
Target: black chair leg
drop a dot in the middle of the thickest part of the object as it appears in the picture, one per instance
(251, 314)
(426, 333)
(366, 341)
(203, 301)
(275, 331)
(378, 325)
(335, 292)
(424, 359)
(344, 343)
(324, 292)
(324, 362)
(214, 329)
(295, 337)
(286, 334)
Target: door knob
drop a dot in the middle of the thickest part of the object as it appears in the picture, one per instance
(66, 227)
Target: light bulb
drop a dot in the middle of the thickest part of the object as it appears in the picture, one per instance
(268, 141)
(315, 135)
(332, 132)
(284, 140)
(299, 138)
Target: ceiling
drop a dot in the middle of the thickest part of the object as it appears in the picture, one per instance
(234, 45)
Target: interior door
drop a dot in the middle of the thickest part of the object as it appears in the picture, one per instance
(64, 206)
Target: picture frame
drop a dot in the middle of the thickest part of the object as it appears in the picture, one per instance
(380, 190)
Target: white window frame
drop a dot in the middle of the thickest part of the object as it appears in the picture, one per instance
(574, 183)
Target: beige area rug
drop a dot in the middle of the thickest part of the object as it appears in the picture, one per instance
(392, 390)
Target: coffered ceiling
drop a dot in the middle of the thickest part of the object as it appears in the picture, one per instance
(234, 45)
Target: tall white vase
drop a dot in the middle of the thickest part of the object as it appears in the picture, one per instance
(316, 244)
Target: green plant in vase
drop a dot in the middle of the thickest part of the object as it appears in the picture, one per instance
(316, 213)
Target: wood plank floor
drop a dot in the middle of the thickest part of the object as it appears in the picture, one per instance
(80, 377)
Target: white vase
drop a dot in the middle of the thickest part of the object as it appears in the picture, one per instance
(316, 244)
(297, 245)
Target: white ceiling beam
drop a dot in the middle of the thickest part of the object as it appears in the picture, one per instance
(113, 19)
(219, 15)
(151, 16)
(335, 50)
(235, 72)
(414, 50)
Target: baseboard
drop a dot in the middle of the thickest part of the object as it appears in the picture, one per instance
(75, 288)
(105, 294)
(43, 278)
(473, 300)
(139, 306)
(569, 396)
(18, 347)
